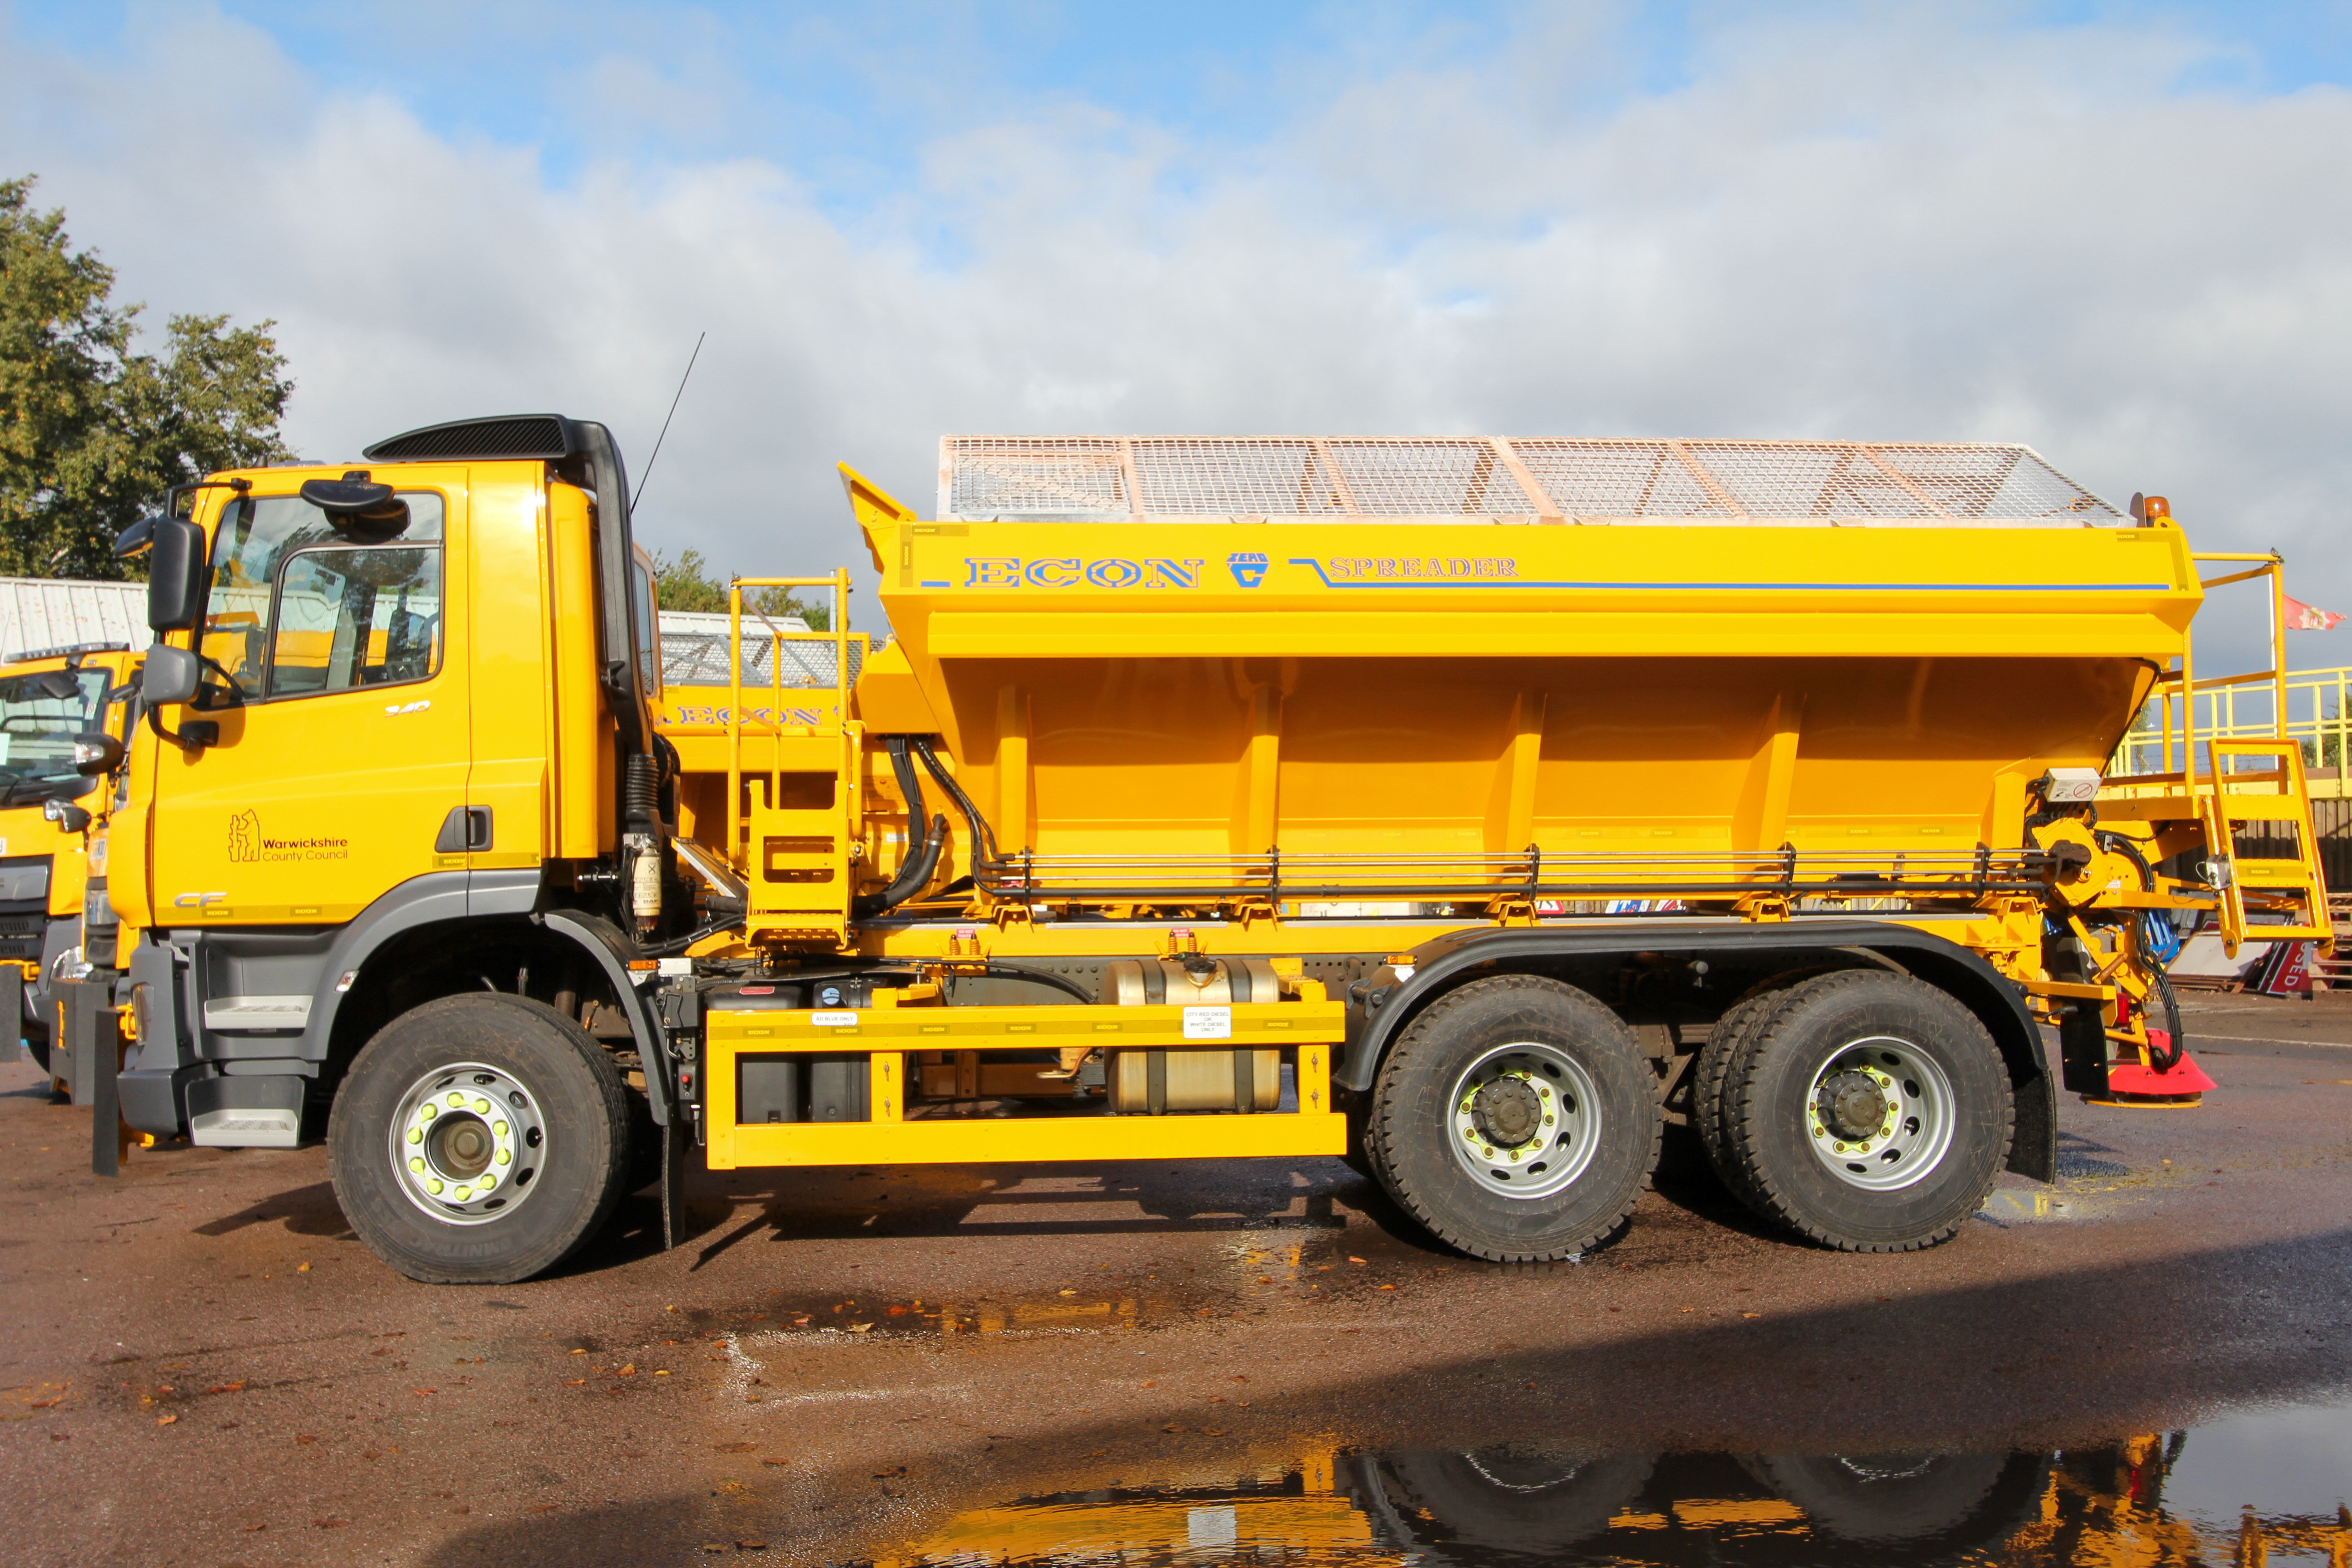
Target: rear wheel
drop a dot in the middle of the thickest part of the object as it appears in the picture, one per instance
(1867, 1110)
(1727, 1043)
(1517, 1120)
(479, 1140)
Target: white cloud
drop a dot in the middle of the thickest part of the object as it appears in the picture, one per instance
(1891, 224)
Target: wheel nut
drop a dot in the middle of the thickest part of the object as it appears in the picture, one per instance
(417, 1166)
(461, 1194)
(417, 1135)
(428, 1111)
(499, 1128)
(433, 1186)
(505, 1156)
(481, 1107)
(457, 1102)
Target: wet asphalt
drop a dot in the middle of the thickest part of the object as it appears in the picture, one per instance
(202, 1366)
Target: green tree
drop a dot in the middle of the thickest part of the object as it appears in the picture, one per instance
(687, 582)
(93, 432)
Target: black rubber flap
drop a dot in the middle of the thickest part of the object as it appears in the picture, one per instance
(504, 438)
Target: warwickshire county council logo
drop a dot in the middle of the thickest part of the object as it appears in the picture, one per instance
(1248, 569)
(248, 843)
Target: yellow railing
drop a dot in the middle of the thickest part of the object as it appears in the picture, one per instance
(2313, 702)
(840, 636)
(2185, 710)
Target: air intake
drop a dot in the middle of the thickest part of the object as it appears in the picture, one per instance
(513, 436)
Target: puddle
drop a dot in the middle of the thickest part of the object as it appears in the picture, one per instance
(2262, 1487)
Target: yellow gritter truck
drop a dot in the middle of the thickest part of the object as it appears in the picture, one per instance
(56, 924)
(1467, 807)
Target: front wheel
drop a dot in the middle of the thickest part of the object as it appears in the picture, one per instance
(479, 1140)
(1515, 1119)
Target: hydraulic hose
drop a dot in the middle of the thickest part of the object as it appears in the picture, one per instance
(983, 838)
(2166, 1060)
(914, 874)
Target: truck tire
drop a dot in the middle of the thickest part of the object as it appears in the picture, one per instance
(1517, 1120)
(1868, 1111)
(1727, 1043)
(1510, 1500)
(1890, 1499)
(479, 1140)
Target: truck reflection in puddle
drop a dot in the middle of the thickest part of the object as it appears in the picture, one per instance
(2103, 1504)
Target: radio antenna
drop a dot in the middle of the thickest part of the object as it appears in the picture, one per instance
(645, 478)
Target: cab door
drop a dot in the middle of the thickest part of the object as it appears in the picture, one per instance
(344, 748)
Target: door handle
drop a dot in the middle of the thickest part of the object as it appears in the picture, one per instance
(466, 830)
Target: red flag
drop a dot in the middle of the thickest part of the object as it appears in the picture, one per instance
(2303, 617)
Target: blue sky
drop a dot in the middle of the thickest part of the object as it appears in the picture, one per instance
(847, 94)
(2122, 234)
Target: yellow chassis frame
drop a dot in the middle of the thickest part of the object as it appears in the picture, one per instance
(887, 1034)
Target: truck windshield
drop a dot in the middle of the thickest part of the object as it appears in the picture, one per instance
(40, 714)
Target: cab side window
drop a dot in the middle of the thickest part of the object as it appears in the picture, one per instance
(295, 611)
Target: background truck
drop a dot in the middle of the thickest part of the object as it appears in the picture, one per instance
(1753, 783)
(56, 924)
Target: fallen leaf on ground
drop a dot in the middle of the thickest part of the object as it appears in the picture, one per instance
(302, 1269)
(421, 1393)
(750, 1546)
(573, 1382)
(628, 1370)
(225, 1388)
(860, 1328)
(661, 1372)
(579, 1352)
(775, 1461)
(329, 1523)
(1751, 1315)
(1069, 1292)
(160, 1421)
(1388, 1286)
(734, 1447)
(1353, 1259)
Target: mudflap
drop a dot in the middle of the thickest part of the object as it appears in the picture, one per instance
(2083, 1050)
(677, 1141)
(108, 1135)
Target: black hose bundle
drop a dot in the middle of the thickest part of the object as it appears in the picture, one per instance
(916, 873)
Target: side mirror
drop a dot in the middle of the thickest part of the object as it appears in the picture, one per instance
(133, 540)
(96, 752)
(66, 815)
(172, 675)
(175, 577)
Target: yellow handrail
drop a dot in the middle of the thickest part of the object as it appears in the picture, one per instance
(839, 635)
(2218, 693)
